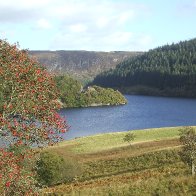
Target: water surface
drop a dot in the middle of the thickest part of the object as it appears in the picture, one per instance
(141, 112)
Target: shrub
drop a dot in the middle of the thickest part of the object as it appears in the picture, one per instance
(53, 169)
(129, 137)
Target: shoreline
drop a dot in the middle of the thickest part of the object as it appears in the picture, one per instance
(151, 91)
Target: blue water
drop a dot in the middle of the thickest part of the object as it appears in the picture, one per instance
(141, 112)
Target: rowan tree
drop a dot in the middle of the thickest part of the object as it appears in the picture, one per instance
(28, 117)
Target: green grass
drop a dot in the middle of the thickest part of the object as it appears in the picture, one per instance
(92, 144)
(151, 166)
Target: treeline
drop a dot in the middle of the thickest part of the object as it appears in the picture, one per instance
(167, 67)
(72, 94)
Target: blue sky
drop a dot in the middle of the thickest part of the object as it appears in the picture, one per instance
(98, 25)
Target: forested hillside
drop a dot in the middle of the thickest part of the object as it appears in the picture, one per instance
(82, 65)
(167, 68)
(72, 94)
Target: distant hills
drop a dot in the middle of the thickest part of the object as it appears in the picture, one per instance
(82, 65)
(167, 70)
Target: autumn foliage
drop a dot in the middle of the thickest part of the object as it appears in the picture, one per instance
(28, 117)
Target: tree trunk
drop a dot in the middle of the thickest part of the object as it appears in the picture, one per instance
(193, 168)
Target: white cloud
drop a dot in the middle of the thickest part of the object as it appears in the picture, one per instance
(108, 42)
(102, 22)
(125, 17)
(78, 28)
(43, 24)
(78, 24)
(22, 4)
(102, 25)
(119, 38)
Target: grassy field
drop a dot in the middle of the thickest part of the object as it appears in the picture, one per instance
(108, 141)
(150, 166)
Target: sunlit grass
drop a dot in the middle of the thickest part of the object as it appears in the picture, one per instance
(108, 141)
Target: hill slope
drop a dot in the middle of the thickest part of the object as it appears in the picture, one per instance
(81, 64)
(150, 166)
(167, 67)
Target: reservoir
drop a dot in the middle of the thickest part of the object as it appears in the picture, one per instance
(141, 112)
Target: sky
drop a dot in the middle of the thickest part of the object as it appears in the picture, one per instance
(97, 25)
